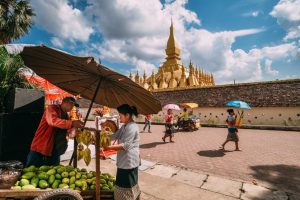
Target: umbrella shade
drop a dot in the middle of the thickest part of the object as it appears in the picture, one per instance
(189, 105)
(172, 107)
(82, 75)
(238, 104)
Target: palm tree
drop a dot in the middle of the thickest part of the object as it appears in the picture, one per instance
(11, 74)
(15, 19)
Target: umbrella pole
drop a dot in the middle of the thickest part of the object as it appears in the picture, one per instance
(74, 155)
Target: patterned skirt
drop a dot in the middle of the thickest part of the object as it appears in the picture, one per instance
(127, 187)
(232, 135)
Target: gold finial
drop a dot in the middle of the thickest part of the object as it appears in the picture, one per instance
(137, 77)
(130, 75)
(145, 77)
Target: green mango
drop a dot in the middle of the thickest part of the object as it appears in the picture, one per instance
(77, 188)
(60, 170)
(31, 168)
(51, 172)
(44, 168)
(43, 184)
(72, 173)
(110, 184)
(90, 175)
(16, 188)
(65, 175)
(84, 186)
(28, 187)
(83, 170)
(24, 182)
(89, 181)
(78, 183)
(102, 181)
(78, 175)
(28, 175)
(69, 168)
(63, 185)
(94, 173)
(65, 181)
(72, 186)
(83, 177)
(55, 184)
(34, 181)
(105, 188)
(72, 180)
(93, 187)
(51, 179)
(17, 183)
(58, 176)
(43, 176)
(102, 177)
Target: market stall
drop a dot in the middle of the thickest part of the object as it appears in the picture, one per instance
(84, 76)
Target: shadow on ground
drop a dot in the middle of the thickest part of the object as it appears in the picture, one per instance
(150, 145)
(211, 153)
(283, 177)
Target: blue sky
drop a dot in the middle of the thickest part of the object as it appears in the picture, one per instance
(242, 40)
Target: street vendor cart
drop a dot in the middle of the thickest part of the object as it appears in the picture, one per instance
(85, 77)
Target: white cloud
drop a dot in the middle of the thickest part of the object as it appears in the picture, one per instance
(287, 13)
(61, 19)
(57, 42)
(269, 69)
(252, 14)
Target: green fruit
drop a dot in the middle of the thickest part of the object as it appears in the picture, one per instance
(44, 168)
(55, 184)
(17, 183)
(43, 176)
(110, 184)
(72, 180)
(58, 176)
(69, 168)
(63, 185)
(51, 179)
(65, 175)
(28, 175)
(105, 188)
(102, 177)
(102, 181)
(72, 173)
(72, 186)
(61, 170)
(51, 172)
(83, 177)
(90, 175)
(34, 181)
(28, 187)
(78, 175)
(43, 184)
(89, 181)
(24, 182)
(16, 188)
(84, 186)
(93, 172)
(66, 181)
(78, 183)
(93, 187)
(83, 170)
(31, 168)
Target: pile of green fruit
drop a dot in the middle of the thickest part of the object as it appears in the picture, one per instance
(53, 177)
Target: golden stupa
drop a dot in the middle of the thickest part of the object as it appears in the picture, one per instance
(173, 74)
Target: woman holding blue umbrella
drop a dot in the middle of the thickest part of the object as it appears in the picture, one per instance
(232, 130)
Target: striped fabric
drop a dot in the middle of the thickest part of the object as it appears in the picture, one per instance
(128, 137)
(127, 193)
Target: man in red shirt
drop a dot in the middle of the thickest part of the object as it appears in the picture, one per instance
(147, 123)
(50, 140)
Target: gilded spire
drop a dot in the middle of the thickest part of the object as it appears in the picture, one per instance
(182, 82)
(145, 77)
(162, 83)
(137, 77)
(212, 79)
(173, 82)
(153, 82)
(130, 76)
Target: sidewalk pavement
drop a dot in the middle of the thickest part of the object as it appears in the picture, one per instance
(171, 183)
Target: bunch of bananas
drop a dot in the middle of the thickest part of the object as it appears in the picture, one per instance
(105, 137)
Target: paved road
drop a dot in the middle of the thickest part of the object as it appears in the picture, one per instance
(270, 157)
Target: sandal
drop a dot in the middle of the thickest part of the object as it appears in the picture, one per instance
(164, 139)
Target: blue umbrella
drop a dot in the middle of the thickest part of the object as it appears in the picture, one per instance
(238, 104)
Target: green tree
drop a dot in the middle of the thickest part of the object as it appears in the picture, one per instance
(11, 74)
(15, 19)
